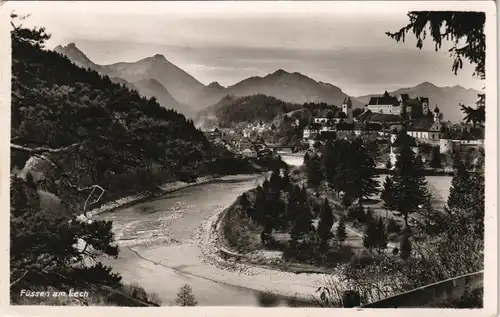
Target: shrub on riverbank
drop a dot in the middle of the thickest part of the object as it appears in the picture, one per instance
(239, 230)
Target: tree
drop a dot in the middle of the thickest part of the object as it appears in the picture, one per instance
(464, 29)
(410, 186)
(466, 32)
(387, 194)
(357, 111)
(370, 236)
(245, 204)
(435, 158)
(44, 248)
(325, 224)
(301, 218)
(363, 178)
(405, 247)
(185, 296)
(381, 235)
(341, 233)
(460, 185)
(307, 157)
(314, 173)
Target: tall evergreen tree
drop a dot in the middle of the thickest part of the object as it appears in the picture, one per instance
(43, 245)
(381, 235)
(314, 173)
(301, 219)
(387, 194)
(410, 186)
(405, 246)
(370, 236)
(341, 233)
(307, 157)
(363, 177)
(435, 158)
(461, 185)
(326, 220)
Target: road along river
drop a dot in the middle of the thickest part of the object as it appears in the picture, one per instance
(166, 242)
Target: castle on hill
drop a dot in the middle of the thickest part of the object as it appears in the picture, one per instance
(401, 105)
(385, 114)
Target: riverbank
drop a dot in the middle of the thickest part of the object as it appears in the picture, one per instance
(137, 198)
(181, 250)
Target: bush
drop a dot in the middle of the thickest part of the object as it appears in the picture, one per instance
(364, 258)
(267, 300)
(393, 226)
(185, 297)
(240, 232)
(355, 213)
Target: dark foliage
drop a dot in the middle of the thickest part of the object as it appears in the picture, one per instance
(465, 30)
(251, 109)
(121, 134)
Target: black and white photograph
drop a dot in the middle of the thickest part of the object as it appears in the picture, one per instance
(302, 154)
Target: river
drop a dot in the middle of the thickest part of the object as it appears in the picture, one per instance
(165, 243)
(163, 246)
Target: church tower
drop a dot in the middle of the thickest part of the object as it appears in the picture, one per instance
(437, 115)
(347, 108)
(425, 106)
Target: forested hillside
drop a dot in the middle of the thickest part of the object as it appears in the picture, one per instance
(74, 131)
(248, 109)
(113, 134)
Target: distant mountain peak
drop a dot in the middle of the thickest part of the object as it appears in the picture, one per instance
(215, 85)
(159, 56)
(280, 72)
(427, 84)
(72, 52)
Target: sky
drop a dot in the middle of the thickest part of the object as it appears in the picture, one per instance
(336, 42)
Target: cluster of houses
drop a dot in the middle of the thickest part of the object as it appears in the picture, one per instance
(386, 114)
(238, 143)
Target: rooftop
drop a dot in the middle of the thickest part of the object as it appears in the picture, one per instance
(386, 99)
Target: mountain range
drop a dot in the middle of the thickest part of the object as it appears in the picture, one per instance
(175, 88)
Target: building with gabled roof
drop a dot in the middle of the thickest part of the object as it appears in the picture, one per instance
(427, 129)
(401, 105)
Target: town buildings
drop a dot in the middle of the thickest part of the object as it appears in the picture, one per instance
(385, 114)
(401, 105)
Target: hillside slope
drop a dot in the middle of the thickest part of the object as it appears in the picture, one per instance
(172, 86)
(122, 135)
(289, 87)
(231, 110)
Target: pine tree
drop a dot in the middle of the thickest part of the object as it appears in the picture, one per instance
(387, 194)
(410, 186)
(245, 204)
(275, 182)
(314, 173)
(286, 182)
(43, 250)
(405, 247)
(368, 215)
(461, 185)
(370, 236)
(307, 157)
(382, 235)
(325, 224)
(185, 296)
(301, 218)
(435, 158)
(362, 176)
(341, 233)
